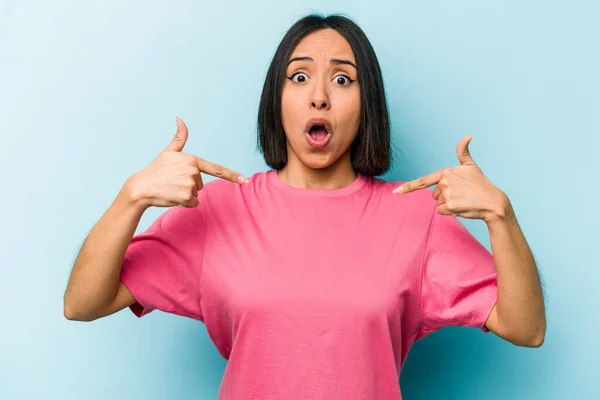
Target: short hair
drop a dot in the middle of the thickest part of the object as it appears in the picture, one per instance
(370, 150)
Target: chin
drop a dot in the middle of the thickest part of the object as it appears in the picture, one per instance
(318, 161)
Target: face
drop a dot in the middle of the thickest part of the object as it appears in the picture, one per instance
(321, 90)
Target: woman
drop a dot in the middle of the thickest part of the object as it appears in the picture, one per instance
(313, 278)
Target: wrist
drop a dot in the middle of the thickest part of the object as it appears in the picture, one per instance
(502, 211)
(134, 195)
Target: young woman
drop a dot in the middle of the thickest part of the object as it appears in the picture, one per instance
(315, 277)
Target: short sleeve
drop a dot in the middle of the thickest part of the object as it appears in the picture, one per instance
(162, 265)
(458, 286)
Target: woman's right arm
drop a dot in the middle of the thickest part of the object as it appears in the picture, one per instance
(94, 289)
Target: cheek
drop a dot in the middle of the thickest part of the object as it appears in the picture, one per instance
(350, 107)
(289, 107)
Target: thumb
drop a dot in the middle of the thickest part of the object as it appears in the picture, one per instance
(180, 138)
(462, 150)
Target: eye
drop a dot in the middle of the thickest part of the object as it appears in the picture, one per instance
(298, 77)
(343, 80)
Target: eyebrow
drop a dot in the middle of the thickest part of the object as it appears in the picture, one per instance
(335, 61)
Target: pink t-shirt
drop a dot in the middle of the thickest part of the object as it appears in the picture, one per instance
(312, 293)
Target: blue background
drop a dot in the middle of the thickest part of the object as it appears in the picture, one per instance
(89, 94)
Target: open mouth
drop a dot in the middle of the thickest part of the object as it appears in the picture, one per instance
(318, 132)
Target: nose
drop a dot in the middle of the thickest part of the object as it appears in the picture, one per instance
(320, 100)
(320, 105)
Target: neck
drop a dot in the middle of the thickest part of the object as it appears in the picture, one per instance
(336, 176)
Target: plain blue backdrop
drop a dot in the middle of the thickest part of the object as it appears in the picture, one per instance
(89, 92)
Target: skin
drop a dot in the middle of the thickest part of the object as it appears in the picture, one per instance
(320, 87)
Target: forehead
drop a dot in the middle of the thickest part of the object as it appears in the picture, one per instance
(324, 43)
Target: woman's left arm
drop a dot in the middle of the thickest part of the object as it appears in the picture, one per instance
(519, 315)
(464, 191)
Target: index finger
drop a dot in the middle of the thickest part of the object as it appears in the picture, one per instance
(419, 183)
(219, 171)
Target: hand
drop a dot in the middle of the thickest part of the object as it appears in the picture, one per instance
(462, 191)
(173, 178)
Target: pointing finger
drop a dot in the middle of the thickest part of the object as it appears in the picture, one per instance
(219, 171)
(420, 183)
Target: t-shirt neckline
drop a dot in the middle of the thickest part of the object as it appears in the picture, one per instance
(357, 184)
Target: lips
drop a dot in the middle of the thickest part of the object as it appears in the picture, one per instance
(318, 132)
(313, 122)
